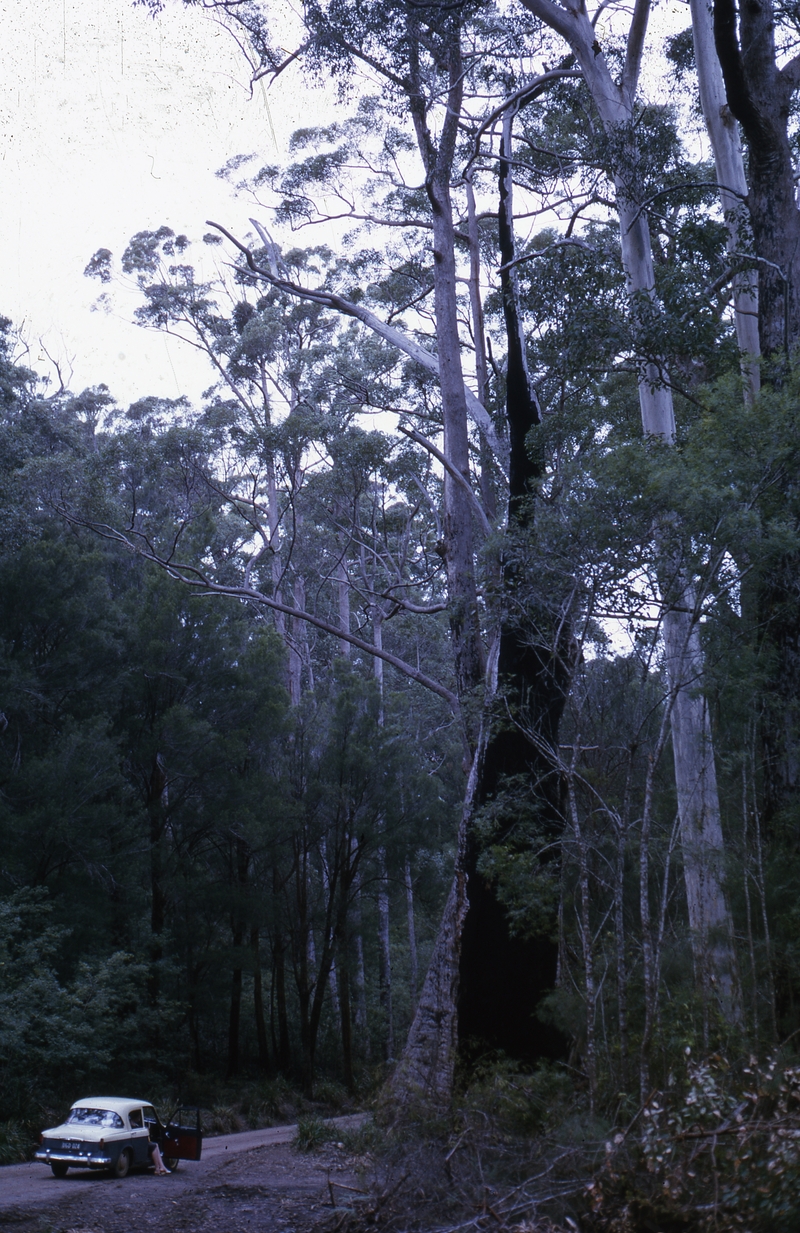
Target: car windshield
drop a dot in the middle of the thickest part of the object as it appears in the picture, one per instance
(95, 1117)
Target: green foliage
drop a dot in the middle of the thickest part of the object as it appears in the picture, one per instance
(519, 1102)
(56, 1033)
(15, 1141)
(514, 859)
(719, 1149)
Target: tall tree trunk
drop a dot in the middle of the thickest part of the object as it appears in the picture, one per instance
(279, 976)
(458, 514)
(458, 547)
(413, 975)
(157, 801)
(729, 165)
(759, 96)
(473, 946)
(503, 978)
(486, 478)
(385, 955)
(241, 868)
(258, 1002)
(692, 744)
(345, 1018)
(701, 828)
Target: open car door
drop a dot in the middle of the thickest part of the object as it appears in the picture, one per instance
(183, 1136)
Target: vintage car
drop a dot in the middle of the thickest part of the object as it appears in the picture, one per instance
(109, 1132)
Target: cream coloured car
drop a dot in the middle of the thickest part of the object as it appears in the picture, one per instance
(111, 1132)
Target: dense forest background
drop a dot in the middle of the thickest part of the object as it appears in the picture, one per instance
(457, 631)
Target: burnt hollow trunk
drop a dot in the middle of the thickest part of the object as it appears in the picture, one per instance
(503, 978)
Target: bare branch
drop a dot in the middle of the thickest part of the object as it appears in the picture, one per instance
(517, 100)
(191, 576)
(413, 435)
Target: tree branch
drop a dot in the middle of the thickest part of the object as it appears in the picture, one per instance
(635, 48)
(478, 510)
(790, 73)
(526, 94)
(195, 578)
(557, 18)
(477, 412)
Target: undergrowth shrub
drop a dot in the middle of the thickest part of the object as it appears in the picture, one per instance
(223, 1120)
(519, 1102)
(364, 1140)
(720, 1151)
(16, 1139)
(517, 1146)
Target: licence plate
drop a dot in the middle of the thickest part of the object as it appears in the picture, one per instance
(68, 1145)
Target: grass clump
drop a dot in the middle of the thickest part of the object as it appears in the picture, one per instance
(312, 1133)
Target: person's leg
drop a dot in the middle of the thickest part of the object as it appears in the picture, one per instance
(155, 1153)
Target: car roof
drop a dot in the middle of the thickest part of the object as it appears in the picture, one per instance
(115, 1104)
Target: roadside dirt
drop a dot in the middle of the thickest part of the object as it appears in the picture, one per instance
(271, 1187)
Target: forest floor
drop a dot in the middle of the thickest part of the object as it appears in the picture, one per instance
(239, 1186)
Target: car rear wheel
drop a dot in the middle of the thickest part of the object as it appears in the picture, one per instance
(122, 1164)
(171, 1163)
(59, 1168)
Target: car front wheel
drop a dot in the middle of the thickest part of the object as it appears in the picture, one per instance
(59, 1168)
(171, 1163)
(122, 1164)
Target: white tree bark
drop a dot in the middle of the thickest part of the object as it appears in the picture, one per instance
(698, 800)
(698, 809)
(425, 1071)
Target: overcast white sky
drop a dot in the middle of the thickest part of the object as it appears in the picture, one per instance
(112, 121)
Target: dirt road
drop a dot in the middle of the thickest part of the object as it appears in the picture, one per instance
(244, 1182)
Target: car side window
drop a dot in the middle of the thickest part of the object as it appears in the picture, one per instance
(135, 1119)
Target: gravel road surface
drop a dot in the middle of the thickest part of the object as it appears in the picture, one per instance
(244, 1182)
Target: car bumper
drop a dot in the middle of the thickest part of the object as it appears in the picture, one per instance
(95, 1161)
